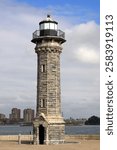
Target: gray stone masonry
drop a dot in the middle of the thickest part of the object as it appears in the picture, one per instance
(48, 113)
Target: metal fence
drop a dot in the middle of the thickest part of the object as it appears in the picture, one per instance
(36, 34)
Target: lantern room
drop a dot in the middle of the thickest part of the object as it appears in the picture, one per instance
(48, 27)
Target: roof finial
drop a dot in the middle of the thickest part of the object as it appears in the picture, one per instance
(48, 16)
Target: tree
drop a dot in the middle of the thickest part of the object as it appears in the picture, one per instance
(93, 120)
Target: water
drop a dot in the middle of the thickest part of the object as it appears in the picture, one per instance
(16, 129)
(85, 129)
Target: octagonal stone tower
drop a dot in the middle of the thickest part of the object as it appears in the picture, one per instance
(48, 127)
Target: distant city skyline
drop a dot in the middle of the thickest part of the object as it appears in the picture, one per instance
(20, 112)
(79, 61)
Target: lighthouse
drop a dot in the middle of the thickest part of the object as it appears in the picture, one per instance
(48, 126)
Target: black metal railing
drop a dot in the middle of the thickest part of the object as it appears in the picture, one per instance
(37, 34)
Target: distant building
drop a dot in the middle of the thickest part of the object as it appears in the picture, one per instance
(2, 116)
(15, 115)
(28, 115)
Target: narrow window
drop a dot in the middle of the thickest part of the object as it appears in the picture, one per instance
(43, 68)
(42, 103)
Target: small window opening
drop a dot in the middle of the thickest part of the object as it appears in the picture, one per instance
(42, 103)
(43, 68)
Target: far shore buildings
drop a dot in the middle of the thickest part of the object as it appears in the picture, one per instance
(15, 115)
(2, 116)
(28, 115)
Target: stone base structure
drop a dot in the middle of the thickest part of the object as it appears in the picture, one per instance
(48, 130)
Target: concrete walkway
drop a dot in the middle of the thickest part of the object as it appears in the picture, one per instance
(82, 145)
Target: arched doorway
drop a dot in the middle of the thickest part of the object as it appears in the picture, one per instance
(41, 134)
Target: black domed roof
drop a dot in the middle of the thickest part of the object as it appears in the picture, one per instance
(47, 20)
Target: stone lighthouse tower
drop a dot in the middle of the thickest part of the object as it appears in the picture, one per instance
(49, 124)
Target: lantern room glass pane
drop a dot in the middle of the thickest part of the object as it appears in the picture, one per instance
(46, 26)
(55, 26)
(41, 26)
(52, 26)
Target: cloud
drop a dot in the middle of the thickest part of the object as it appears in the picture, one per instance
(84, 42)
(81, 110)
(80, 70)
(86, 55)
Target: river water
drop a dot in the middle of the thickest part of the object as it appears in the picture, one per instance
(71, 130)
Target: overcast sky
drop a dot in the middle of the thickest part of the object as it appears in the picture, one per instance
(79, 59)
